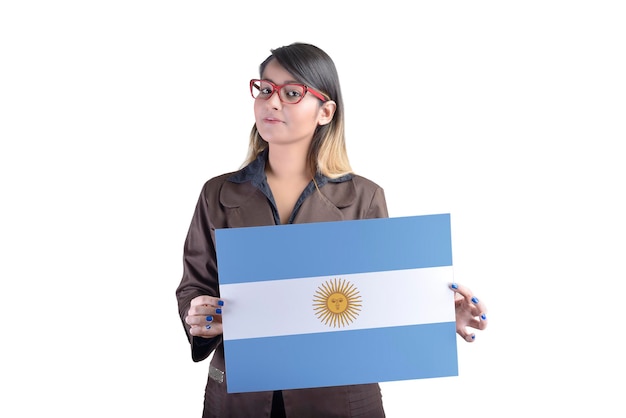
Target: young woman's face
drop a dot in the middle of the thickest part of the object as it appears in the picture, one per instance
(284, 123)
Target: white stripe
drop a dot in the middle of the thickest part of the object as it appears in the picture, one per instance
(286, 307)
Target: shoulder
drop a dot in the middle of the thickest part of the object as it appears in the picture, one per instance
(356, 184)
(214, 184)
(229, 189)
(350, 189)
(364, 183)
(212, 188)
(217, 181)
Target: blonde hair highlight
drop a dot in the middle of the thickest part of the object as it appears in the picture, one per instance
(330, 158)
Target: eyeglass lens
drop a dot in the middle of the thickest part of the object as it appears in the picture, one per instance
(288, 93)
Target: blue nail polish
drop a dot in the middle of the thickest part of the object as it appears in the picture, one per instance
(208, 327)
(220, 302)
(473, 337)
(474, 299)
(209, 318)
(483, 317)
(454, 286)
(218, 310)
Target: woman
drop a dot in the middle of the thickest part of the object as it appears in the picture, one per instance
(297, 171)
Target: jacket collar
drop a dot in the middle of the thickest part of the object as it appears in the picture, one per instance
(341, 194)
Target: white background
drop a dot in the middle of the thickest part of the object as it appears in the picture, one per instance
(508, 115)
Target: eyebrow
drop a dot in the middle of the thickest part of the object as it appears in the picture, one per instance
(287, 82)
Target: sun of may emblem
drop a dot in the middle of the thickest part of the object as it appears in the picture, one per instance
(337, 303)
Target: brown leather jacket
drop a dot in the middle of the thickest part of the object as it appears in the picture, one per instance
(237, 200)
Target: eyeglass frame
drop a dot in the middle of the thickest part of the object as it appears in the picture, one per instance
(276, 89)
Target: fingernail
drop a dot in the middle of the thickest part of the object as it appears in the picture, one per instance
(208, 327)
(454, 286)
(209, 318)
(483, 317)
(474, 299)
(473, 337)
(220, 302)
(218, 310)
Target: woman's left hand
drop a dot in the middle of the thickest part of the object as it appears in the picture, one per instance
(470, 312)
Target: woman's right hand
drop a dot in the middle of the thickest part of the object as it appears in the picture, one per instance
(205, 316)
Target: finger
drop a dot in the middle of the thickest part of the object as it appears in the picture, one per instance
(476, 318)
(482, 321)
(206, 300)
(462, 293)
(460, 289)
(467, 336)
(202, 319)
(207, 309)
(202, 300)
(467, 294)
(479, 305)
(206, 331)
(479, 322)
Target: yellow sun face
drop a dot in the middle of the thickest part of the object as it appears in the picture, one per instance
(337, 303)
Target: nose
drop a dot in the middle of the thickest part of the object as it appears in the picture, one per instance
(274, 100)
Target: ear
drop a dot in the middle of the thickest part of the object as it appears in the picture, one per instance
(326, 112)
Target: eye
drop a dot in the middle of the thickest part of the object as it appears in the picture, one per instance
(265, 89)
(293, 91)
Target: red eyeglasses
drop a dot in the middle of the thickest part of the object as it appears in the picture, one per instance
(291, 93)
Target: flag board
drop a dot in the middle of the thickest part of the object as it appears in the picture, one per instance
(337, 303)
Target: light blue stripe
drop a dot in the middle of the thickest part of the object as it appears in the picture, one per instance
(331, 248)
(341, 358)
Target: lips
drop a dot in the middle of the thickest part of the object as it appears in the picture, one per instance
(272, 120)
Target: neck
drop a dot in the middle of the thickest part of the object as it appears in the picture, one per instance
(288, 163)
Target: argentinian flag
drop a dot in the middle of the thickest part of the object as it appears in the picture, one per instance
(337, 303)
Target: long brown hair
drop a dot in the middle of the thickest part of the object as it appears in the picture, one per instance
(313, 67)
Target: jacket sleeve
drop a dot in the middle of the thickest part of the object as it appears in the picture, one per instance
(199, 272)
